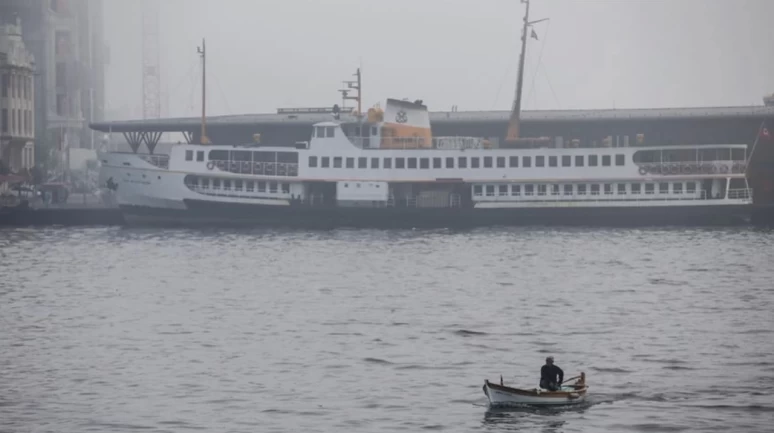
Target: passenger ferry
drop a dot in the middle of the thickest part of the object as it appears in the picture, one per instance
(387, 170)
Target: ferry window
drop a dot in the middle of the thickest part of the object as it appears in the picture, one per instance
(350, 162)
(513, 161)
(387, 163)
(677, 188)
(516, 190)
(636, 188)
(286, 188)
(320, 132)
(649, 188)
(593, 160)
(200, 156)
(362, 162)
(329, 131)
(261, 186)
(529, 189)
(594, 189)
(286, 157)
(474, 162)
(450, 162)
(540, 161)
(437, 163)
(582, 189)
(579, 160)
(622, 188)
(690, 187)
(566, 161)
(215, 183)
(552, 161)
(313, 161)
(250, 186)
(265, 157)
(608, 188)
(490, 192)
(219, 155)
(189, 155)
(500, 162)
(526, 161)
(554, 189)
(502, 190)
(374, 162)
(487, 162)
(541, 190)
(400, 162)
(227, 185)
(412, 163)
(238, 184)
(606, 160)
(273, 187)
(568, 190)
(663, 188)
(424, 163)
(620, 160)
(477, 190)
(374, 131)
(337, 161)
(326, 162)
(462, 162)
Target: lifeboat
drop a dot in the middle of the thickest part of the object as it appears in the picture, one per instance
(501, 395)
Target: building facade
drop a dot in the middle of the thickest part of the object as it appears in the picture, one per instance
(17, 102)
(66, 39)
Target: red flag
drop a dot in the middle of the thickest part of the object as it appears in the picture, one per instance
(765, 133)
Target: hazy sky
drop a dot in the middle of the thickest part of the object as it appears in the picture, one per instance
(265, 54)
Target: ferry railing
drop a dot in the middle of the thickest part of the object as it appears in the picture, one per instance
(160, 161)
(441, 143)
(688, 167)
(733, 194)
(257, 168)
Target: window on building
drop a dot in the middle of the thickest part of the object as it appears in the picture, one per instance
(566, 161)
(437, 163)
(238, 184)
(319, 132)
(374, 162)
(462, 162)
(502, 190)
(490, 190)
(552, 161)
(424, 163)
(690, 187)
(200, 155)
(540, 161)
(350, 162)
(593, 160)
(513, 161)
(568, 190)
(579, 160)
(261, 186)
(450, 162)
(362, 162)
(337, 162)
(594, 189)
(515, 190)
(325, 162)
(649, 188)
(227, 185)
(608, 189)
(581, 189)
(621, 188)
(477, 190)
(330, 131)
(475, 162)
(636, 188)
(189, 155)
(215, 183)
(526, 161)
(4, 85)
(250, 186)
(542, 190)
(286, 188)
(500, 162)
(605, 160)
(620, 160)
(663, 188)
(387, 163)
(677, 188)
(412, 163)
(529, 190)
(313, 162)
(400, 163)
(487, 162)
(61, 77)
(554, 189)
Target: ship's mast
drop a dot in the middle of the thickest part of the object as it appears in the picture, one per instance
(514, 125)
(203, 53)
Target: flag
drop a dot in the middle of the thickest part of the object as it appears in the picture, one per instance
(534, 35)
(765, 134)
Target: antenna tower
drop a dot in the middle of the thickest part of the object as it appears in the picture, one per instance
(151, 73)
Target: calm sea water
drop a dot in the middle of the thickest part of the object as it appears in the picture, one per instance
(120, 330)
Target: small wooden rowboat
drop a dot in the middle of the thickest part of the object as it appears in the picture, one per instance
(567, 395)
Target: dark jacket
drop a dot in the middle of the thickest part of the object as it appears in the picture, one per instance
(549, 373)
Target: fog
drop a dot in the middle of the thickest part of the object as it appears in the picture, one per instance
(265, 54)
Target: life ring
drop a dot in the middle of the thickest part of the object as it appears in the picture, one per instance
(211, 165)
(673, 169)
(724, 168)
(688, 169)
(643, 170)
(714, 169)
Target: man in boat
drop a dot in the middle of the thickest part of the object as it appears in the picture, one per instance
(551, 376)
